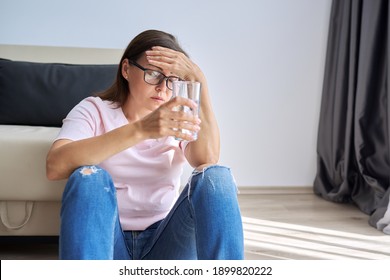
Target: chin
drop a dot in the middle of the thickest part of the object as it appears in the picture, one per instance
(154, 107)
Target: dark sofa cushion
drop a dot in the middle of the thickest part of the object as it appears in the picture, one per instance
(42, 94)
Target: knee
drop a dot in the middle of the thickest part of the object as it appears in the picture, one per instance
(88, 170)
(216, 172)
(89, 187)
(91, 172)
(86, 178)
(216, 179)
(203, 167)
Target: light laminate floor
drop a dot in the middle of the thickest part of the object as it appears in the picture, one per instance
(282, 223)
(279, 223)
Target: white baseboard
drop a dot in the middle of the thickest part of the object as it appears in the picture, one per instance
(276, 190)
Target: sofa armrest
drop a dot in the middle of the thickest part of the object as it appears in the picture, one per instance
(23, 151)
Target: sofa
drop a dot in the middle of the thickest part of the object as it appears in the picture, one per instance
(34, 99)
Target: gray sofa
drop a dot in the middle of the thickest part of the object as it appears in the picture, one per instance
(34, 98)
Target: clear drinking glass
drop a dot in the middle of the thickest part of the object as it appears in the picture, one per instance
(189, 90)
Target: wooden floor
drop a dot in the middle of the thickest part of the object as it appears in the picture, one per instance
(294, 224)
(279, 223)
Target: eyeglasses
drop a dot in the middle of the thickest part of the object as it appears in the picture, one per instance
(154, 77)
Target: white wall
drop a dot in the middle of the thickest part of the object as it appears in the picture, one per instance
(264, 60)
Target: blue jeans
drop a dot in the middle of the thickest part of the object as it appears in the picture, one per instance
(204, 223)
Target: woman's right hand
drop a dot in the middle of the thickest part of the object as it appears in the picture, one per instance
(66, 155)
(164, 121)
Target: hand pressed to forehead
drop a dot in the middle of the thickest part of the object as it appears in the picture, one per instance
(172, 61)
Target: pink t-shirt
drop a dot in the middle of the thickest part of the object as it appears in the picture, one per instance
(146, 176)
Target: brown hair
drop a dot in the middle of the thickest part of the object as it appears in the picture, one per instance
(144, 41)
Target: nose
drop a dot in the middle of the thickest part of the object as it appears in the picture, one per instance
(162, 85)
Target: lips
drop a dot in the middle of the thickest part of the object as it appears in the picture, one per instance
(157, 98)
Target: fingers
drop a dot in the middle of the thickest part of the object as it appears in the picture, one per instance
(165, 121)
(183, 129)
(170, 60)
(160, 56)
(182, 109)
(184, 135)
(184, 125)
(164, 53)
(186, 117)
(181, 114)
(180, 125)
(181, 101)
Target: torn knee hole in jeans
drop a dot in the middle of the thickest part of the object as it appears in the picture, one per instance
(200, 169)
(88, 170)
(203, 167)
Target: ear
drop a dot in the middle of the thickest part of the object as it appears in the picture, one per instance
(125, 68)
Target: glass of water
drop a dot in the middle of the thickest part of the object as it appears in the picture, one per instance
(189, 90)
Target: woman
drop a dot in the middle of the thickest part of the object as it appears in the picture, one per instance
(119, 152)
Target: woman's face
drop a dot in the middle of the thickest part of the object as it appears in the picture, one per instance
(144, 96)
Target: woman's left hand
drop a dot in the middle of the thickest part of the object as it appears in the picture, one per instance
(174, 62)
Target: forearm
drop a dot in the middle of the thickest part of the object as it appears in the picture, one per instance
(62, 160)
(206, 149)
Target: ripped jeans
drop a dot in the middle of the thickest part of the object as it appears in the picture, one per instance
(205, 222)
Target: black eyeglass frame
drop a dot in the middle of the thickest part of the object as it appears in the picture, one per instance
(166, 78)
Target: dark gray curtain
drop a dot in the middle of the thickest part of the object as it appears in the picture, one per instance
(353, 153)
